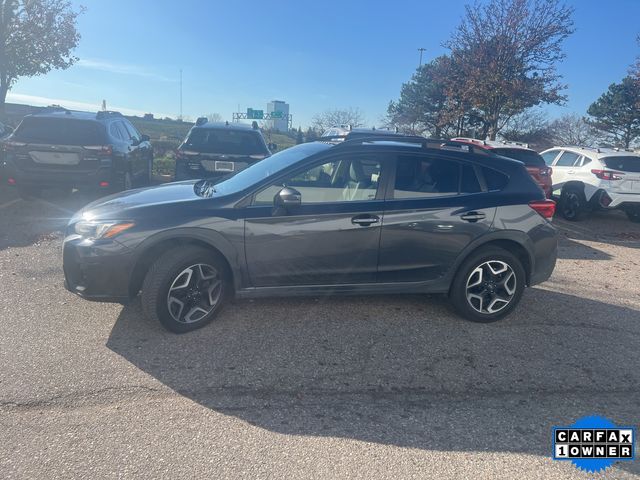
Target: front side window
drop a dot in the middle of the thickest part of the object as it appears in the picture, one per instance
(421, 176)
(133, 133)
(342, 180)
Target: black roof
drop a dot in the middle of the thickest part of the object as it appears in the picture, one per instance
(60, 112)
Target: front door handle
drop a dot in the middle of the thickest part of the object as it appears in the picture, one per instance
(473, 216)
(365, 220)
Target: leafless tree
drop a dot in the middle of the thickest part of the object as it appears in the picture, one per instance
(347, 116)
(214, 117)
(572, 129)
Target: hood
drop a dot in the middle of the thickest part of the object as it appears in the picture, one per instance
(122, 204)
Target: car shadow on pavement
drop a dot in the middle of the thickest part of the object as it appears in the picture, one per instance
(26, 222)
(610, 227)
(402, 370)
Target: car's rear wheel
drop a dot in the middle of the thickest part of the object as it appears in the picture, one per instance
(633, 214)
(185, 288)
(488, 285)
(573, 204)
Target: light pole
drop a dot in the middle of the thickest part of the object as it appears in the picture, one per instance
(421, 50)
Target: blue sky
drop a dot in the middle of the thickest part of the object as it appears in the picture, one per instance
(314, 55)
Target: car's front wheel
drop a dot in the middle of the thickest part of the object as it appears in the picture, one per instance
(185, 288)
(488, 285)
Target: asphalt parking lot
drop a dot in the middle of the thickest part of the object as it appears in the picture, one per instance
(351, 387)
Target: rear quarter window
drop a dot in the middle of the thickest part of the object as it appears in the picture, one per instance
(621, 163)
(495, 180)
(60, 131)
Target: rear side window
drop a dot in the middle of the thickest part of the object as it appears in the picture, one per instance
(528, 157)
(210, 140)
(567, 159)
(496, 181)
(623, 163)
(60, 131)
(423, 176)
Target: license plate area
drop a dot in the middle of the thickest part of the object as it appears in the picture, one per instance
(55, 158)
(218, 166)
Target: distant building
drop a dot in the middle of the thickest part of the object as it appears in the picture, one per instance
(148, 116)
(281, 108)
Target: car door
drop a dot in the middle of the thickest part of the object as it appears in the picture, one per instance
(137, 153)
(331, 238)
(435, 207)
(564, 168)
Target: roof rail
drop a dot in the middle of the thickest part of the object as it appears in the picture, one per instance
(432, 143)
(108, 113)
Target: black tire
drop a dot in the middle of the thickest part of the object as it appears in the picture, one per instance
(168, 270)
(122, 183)
(633, 214)
(458, 290)
(573, 204)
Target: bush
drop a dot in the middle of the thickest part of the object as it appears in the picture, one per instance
(164, 165)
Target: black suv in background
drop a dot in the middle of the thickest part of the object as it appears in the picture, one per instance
(214, 149)
(383, 214)
(60, 148)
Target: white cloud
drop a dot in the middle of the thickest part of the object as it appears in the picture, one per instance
(39, 101)
(122, 69)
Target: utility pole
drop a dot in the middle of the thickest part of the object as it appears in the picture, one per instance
(421, 50)
(180, 94)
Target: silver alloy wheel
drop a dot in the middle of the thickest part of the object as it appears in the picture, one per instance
(194, 293)
(491, 287)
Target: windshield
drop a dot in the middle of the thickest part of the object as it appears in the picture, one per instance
(528, 157)
(259, 171)
(626, 163)
(232, 142)
(59, 131)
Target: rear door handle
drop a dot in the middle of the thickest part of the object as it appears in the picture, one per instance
(365, 220)
(473, 216)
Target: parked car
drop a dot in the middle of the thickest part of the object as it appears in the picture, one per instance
(391, 215)
(215, 149)
(532, 160)
(595, 178)
(64, 148)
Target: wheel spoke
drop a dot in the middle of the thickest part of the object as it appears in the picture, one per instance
(194, 293)
(491, 286)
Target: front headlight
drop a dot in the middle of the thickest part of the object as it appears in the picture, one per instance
(93, 230)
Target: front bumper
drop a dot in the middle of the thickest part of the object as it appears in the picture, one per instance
(98, 271)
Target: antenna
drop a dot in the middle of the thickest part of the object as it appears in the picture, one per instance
(180, 94)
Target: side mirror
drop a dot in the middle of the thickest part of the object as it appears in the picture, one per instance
(273, 147)
(144, 138)
(286, 200)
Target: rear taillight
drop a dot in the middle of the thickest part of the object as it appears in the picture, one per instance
(100, 149)
(546, 208)
(11, 181)
(607, 174)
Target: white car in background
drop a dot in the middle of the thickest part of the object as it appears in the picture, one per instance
(594, 178)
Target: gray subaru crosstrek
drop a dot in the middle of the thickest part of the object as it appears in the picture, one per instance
(379, 214)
